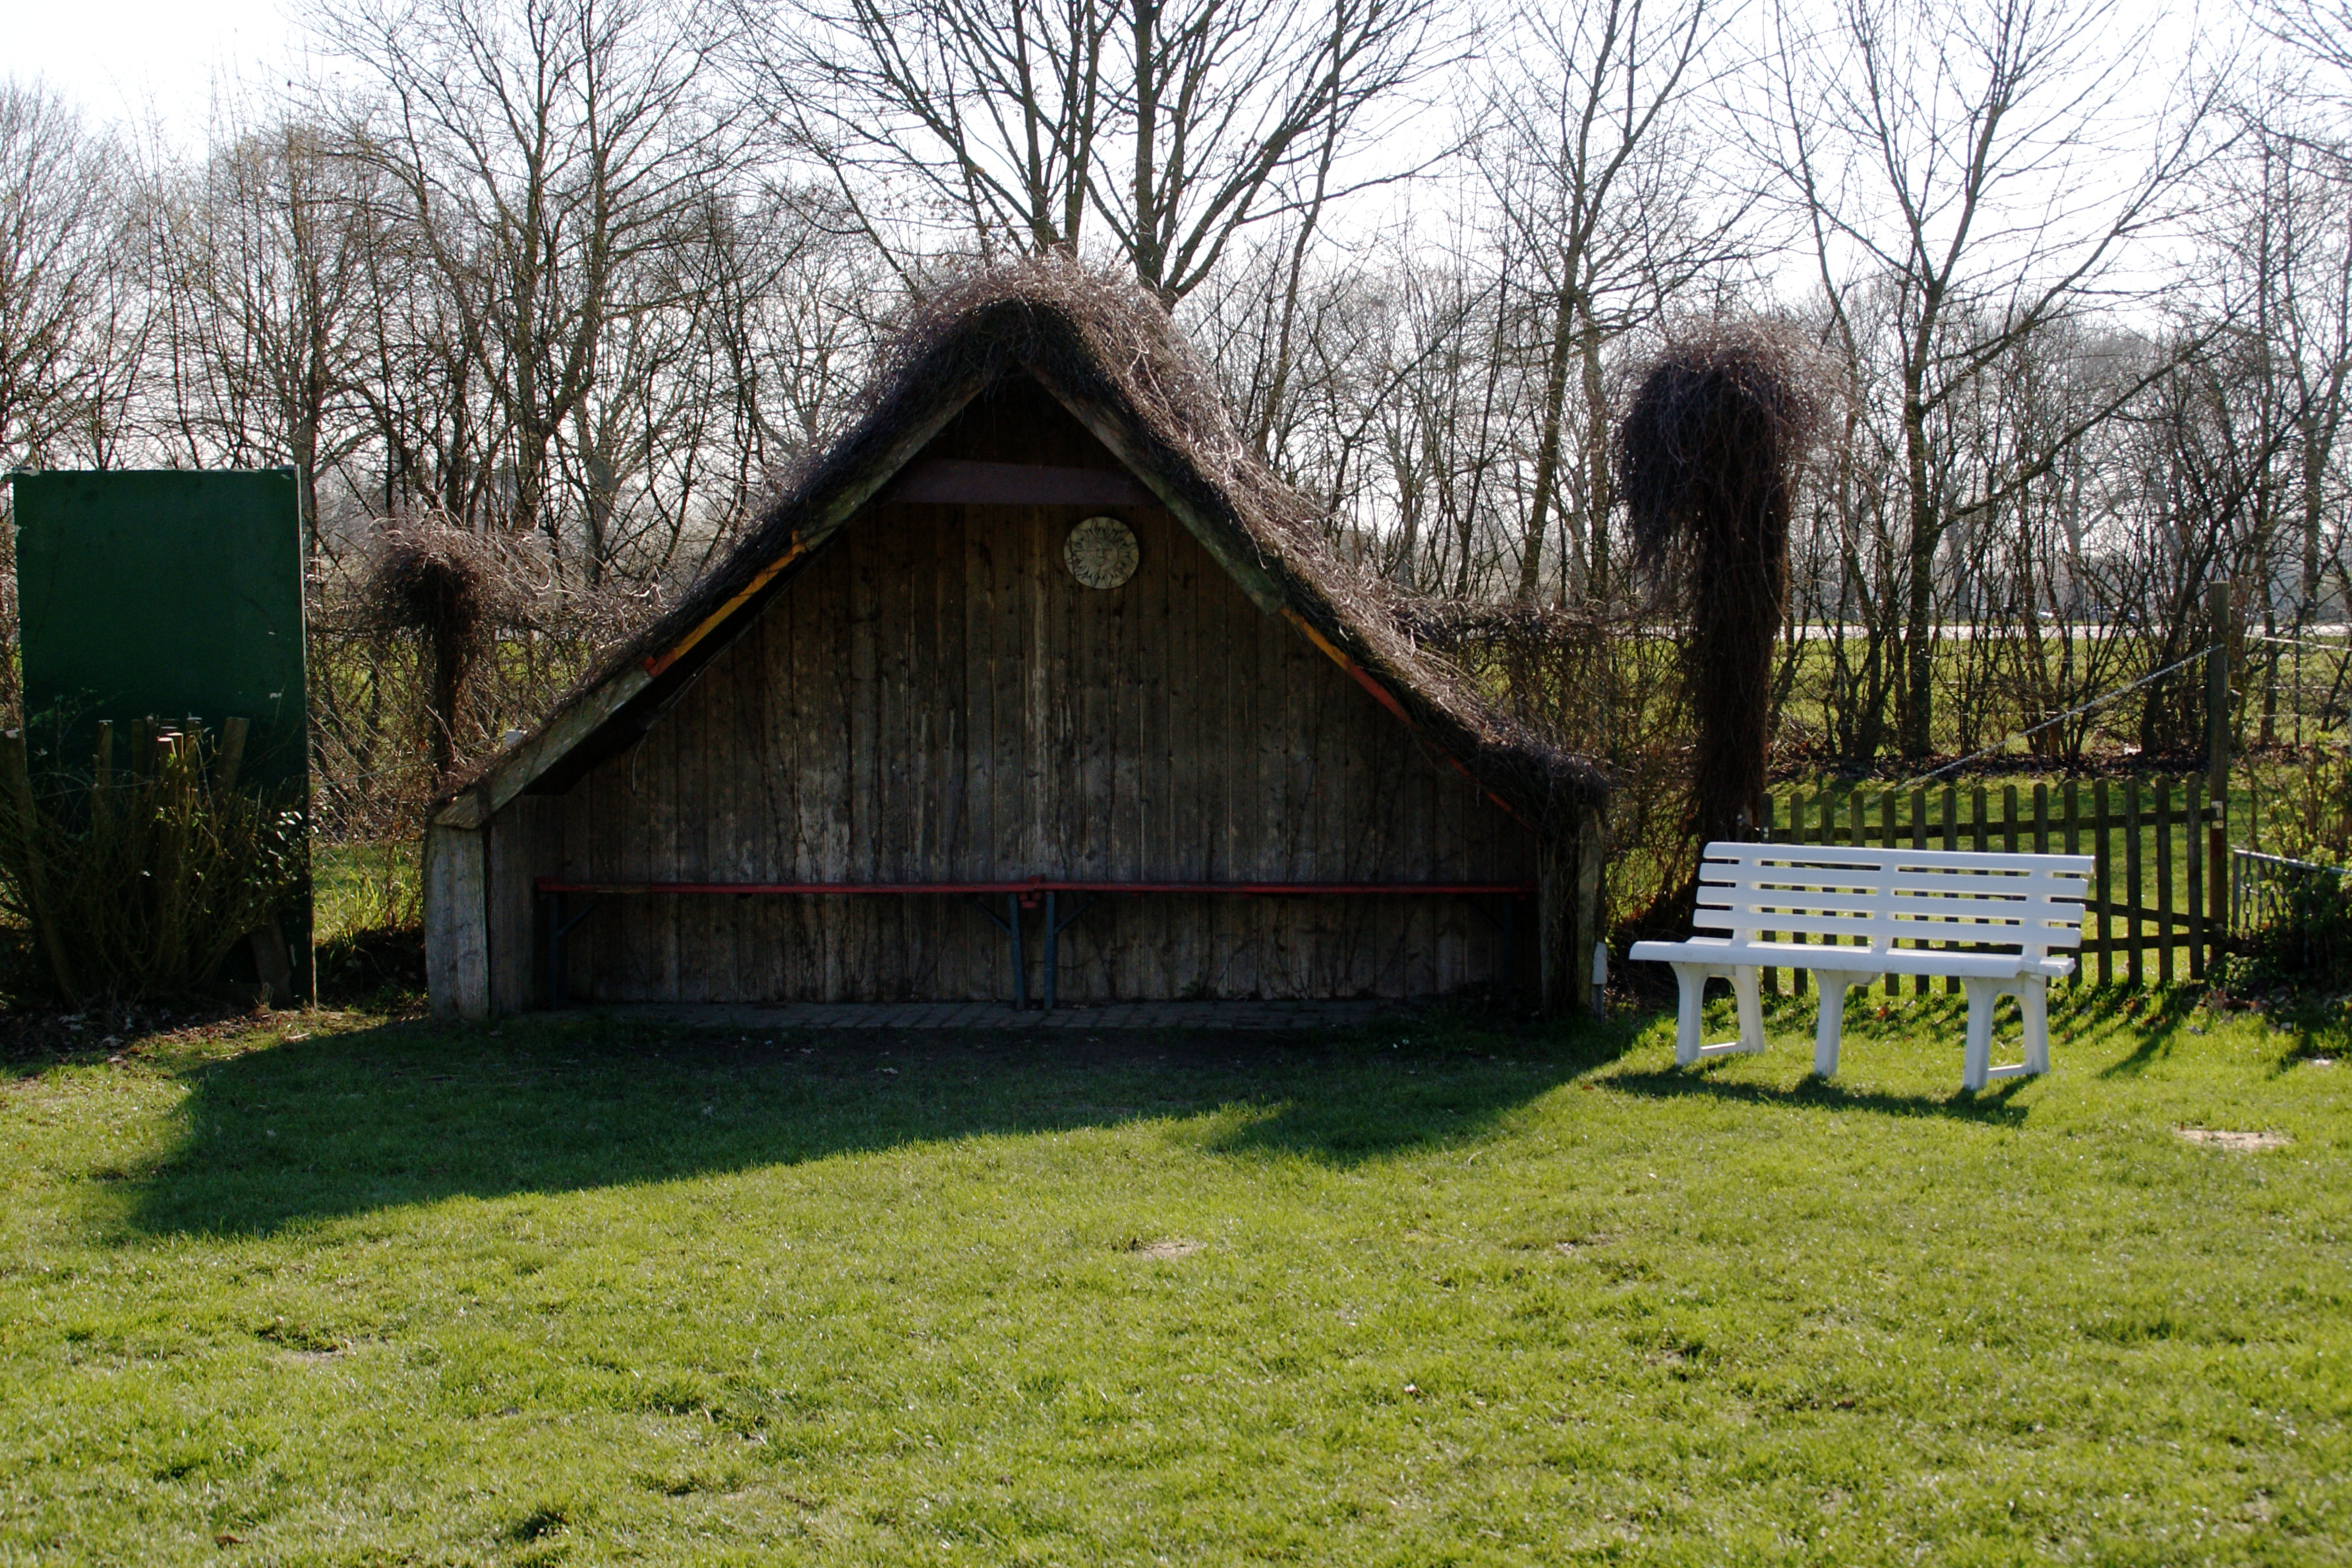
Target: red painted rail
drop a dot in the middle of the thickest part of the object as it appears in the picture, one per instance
(1283, 889)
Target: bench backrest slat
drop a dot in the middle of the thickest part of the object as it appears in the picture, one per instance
(2032, 902)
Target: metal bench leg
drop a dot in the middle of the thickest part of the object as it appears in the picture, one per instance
(1977, 1063)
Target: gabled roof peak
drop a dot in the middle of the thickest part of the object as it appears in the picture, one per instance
(1108, 353)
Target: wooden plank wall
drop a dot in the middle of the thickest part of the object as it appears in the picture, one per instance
(936, 698)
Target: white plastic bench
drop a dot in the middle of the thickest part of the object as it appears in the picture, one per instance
(2024, 905)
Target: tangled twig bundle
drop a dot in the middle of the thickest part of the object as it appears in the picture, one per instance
(1706, 457)
(450, 586)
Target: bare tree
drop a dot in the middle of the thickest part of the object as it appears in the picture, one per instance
(60, 219)
(546, 155)
(1173, 124)
(1596, 185)
(1970, 160)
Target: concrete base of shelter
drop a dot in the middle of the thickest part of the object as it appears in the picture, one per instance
(1166, 1014)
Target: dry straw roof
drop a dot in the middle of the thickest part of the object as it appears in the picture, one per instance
(1108, 353)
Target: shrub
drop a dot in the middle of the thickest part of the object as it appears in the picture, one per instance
(140, 885)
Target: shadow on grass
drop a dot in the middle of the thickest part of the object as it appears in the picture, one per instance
(2160, 1014)
(408, 1114)
(1680, 1082)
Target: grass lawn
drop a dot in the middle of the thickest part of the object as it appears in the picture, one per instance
(339, 1290)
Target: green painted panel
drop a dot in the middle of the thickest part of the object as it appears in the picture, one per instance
(169, 593)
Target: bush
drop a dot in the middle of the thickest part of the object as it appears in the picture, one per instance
(140, 886)
(2308, 942)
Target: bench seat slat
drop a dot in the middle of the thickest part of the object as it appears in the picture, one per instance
(1897, 961)
(1888, 906)
(1941, 883)
(2052, 934)
(1825, 855)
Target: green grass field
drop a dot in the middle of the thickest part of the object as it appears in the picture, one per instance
(343, 1291)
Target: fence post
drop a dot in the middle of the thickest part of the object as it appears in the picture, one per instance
(2217, 765)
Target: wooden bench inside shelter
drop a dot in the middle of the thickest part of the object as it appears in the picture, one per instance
(1995, 922)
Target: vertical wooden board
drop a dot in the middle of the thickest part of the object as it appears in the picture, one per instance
(1042, 697)
(1146, 973)
(823, 651)
(862, 689)
(1433, 849)
(1248, 849)
(764, 781)
(941, 686)
(2100, 847)
(2193, 811)
(2164, 931)
(456, 935)
(655, 789)
(1181, 941)
(628, 923)
(896, 710)
(1009, 858)
(574, 865)
(1131, 657)
(515, 841)
(896, 951)
(783, 931)
(1283, 929)
(725, 739)
(2135, 974)
(1453, 857)
(1089, 682)
(587, 947)
(1123, 853)
(689, 803)
(978, 845)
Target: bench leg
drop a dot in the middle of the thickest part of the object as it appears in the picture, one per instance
(1976, 1061)
(1692, 979)
(1829, 1024)
(1746, 985)
(2033, 994)
(2033, 1000)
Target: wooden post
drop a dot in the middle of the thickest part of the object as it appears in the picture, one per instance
(231, 760)
(456, 922)
(1567, 914)
(2099, 882)
(2165, 933)
(2217, 765)
(2195, 860)
(2135, 973)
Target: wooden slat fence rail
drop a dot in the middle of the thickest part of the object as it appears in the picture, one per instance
(2156, 911)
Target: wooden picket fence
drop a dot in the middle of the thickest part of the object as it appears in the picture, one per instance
(2159, 898)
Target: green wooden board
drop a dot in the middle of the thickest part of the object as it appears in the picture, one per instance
(170, 594)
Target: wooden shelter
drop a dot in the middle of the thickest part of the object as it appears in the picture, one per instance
(937, 730)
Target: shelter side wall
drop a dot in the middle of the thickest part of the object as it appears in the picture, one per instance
(937, 699)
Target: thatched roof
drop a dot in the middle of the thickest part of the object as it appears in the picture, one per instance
(1110, 355)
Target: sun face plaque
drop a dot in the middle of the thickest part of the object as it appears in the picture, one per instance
(1101, 552)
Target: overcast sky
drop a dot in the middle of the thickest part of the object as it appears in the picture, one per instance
(128, 60)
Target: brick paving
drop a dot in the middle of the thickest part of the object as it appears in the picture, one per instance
(1001, 1015)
